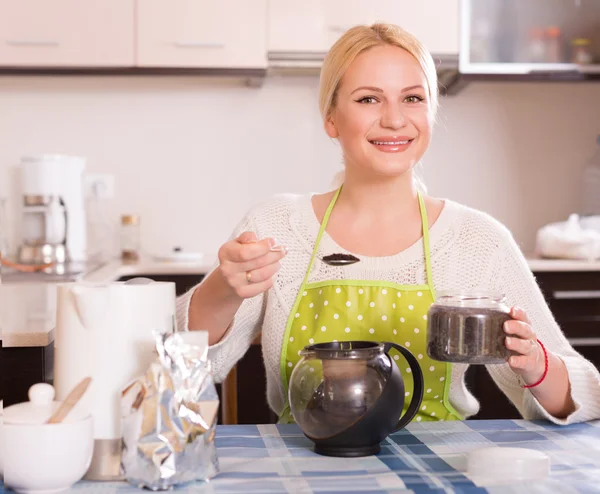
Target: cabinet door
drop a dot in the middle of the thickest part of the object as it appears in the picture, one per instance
(341, 15)
(202, 33)
(547, 38)
(297, 27)
(66, 33)
(433, 22)
(313, 26)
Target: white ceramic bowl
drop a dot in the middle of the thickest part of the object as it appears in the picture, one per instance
(45, 458)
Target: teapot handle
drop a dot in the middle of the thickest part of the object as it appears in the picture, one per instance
(417, 374)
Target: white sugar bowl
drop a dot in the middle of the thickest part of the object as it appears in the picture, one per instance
(41, 457)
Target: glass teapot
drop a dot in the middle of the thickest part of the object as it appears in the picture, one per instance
(348, 396)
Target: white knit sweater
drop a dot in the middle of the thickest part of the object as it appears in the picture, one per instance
(469, 251)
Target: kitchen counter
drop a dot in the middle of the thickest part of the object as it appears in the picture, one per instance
(537, 264)
(27, 310)
(116, 269)
(423, 458)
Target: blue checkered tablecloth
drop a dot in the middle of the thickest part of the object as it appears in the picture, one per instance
(424, 458)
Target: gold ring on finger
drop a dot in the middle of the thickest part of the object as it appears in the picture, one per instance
(248, 277)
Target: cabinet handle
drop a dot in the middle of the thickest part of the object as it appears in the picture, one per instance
(197, 44)
(584, 341)
(32, 42)
(568, 294)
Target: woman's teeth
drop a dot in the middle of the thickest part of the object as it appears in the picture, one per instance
(391, 143)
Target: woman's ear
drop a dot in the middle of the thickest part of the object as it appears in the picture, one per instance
(330, 127)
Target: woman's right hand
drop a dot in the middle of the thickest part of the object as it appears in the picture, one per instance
(248, 265)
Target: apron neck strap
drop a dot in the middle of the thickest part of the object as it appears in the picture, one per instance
(424, 224)
(320, 234)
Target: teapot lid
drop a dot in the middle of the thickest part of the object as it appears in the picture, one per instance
(37, 410)
(344, 350)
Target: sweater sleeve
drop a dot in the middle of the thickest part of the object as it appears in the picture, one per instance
(518, 283)
(243, 329)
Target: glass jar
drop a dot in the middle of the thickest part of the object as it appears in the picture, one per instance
(554, 52)
(581, 51)
(130, 238)
(468, 328)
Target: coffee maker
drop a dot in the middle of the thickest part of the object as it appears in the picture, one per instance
(53, 223)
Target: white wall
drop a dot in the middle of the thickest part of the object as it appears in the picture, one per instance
(191, 155)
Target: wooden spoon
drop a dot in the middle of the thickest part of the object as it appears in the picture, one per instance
(70, 401)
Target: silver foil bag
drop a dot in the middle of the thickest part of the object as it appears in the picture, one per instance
(169, 416)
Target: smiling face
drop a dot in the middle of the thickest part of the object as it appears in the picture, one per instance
(382, 116)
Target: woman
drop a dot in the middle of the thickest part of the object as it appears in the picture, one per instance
(378, 98)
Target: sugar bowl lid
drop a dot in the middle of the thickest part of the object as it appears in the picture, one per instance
(37, 410)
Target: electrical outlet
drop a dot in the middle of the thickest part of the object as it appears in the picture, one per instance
(100, 186)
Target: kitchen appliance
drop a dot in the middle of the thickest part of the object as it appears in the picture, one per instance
(53, 226)
(105, 331)
(348, 396)
(468, 328)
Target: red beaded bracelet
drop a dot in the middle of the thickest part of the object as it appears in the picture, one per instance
(545, 368)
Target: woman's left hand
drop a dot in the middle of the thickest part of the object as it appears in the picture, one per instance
(521, 339)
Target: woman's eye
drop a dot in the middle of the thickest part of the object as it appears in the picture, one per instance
(368, 100)
(414, 99)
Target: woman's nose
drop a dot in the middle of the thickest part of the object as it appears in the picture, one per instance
(392, 117)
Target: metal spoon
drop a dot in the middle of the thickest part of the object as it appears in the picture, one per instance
(339, 259)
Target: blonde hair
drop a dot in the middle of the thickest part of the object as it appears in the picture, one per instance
(362, 38)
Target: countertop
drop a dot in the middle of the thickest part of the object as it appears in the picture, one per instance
(422, 458)
(116, 269)
(28, 308)
(536, 264)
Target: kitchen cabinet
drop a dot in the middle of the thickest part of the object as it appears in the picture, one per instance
(296, 27)
(543, 39)
(21, 368)
(313, 26)
(574, 298)
(202, 33)
(433, 22)
(66, 33)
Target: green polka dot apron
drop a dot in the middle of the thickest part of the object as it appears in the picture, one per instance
(350, 310)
